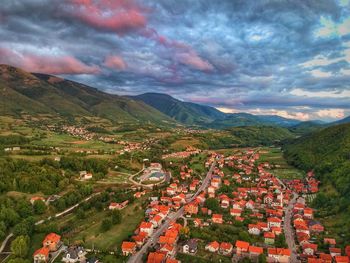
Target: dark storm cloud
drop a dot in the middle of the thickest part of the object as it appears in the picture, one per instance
(237, 55)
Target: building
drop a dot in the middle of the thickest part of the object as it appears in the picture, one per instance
(74, 254)
(41, 255)
(128, 248)
(52, 241)
(190, 247)
(241, 247)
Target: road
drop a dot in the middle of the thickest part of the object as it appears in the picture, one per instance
(137, 257)
(3, 245)
(288, 230)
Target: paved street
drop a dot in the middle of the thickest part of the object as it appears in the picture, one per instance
(288, 230)
(137, 257)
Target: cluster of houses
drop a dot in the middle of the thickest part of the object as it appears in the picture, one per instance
(53, 247)
(306, 227)
(308, 185)
(263, 201)
(190, 151)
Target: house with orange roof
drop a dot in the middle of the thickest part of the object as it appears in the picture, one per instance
(171, 260)
(314, 260)
(41, 255)
(341, 259)
(347, 250)
(167, 249)
(280, 255)
(274, 222)
(254, 229)
(309, 249)
(167, 240)
(269, 238)
(197, 222)
(235, 212)
(191, 208)
(156, 220)
(156, 257)
(140, 238)
(36, 198)
(308, 213)
(146, 227)
(334, 251)
(255, 251)
(52, 241)
(128, 248)
(212, 246)
(329, 241)
(241, 247)
(326, 258)
(217, 218)
(226, 248)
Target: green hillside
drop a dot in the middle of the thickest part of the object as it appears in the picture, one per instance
(260, 135)
(328, 153)
(184, 112)
(25, 93)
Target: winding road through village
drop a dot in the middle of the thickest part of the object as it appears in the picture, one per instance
(137, 257)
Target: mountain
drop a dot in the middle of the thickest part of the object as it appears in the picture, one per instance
(327, 152)
(260, 135)
(306, 127)
(195, 114)
(345, 120)
(184, 112)
(246, 119)
(35, 94)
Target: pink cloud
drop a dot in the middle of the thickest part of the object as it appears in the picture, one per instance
(193, 60)
(115, 62)
(46, 64)
(184, 53)
(118, 16)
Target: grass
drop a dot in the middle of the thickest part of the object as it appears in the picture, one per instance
(111, 240)
(182, 144)
(281, 168)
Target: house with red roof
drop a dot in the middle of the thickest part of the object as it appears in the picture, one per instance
(241, 247)
(217, 218)
(280, 255)
(41, 255)
(156, 257)
(326, 258)
(341, 259)
(334, 251)
(156, 220)
(255, 251)
(191, 208)
(269, 238)
(309, 249)
(128, 248)
(52, 241)
(254, 229)
(146, 227)
(212, 246)
(226, 248)
(235, 212)
(274, 222)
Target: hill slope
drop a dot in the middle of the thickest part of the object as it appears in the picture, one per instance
(246, 119)
(184, 112)
(328, 153)
(206, 116)
(26, 93)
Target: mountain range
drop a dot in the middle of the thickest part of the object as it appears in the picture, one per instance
(36, 94)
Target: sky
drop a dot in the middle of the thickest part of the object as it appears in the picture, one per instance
(289, 58)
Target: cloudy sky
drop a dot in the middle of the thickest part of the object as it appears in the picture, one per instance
(290, 58)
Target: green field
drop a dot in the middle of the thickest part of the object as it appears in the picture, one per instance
(281, 168)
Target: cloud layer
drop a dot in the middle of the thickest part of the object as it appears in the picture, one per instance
(290, 58)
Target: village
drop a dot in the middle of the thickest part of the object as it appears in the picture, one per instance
(238, 211)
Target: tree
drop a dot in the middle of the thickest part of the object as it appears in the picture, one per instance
(106, 225)
(39, 207)
(212, 204)
(116, 216)
(20, 246)
(262, 258)
(2, 230)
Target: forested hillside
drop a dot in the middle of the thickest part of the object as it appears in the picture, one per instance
(327, 152)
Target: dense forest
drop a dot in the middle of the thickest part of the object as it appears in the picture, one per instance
(327, 152)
